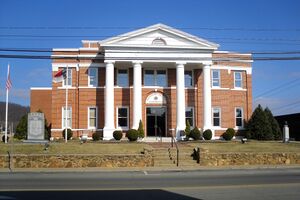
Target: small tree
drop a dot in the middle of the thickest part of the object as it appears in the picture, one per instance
(141, 130)
(21, 130)
(259, 126)
(274, 124)
(187, 129)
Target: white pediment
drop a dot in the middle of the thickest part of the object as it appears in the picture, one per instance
(159, 35)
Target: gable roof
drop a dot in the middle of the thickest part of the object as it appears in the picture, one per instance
(175, 37)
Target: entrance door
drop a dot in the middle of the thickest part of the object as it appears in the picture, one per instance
(156, 121)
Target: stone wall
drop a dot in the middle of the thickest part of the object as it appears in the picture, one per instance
(77, 161)
(229, 159)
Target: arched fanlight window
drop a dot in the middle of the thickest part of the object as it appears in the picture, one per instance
(159, 42)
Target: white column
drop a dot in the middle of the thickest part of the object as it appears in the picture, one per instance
(206, 97)
(180, 99)
(137, 94)
(109, 126)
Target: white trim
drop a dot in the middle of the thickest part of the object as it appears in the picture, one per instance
(241, 80)
(124, 128)
(127, 72)
(63, 117)
(41, 88)
(212, 78)
(232, 68)
(242, 113)
(97, 83)
(220, 116)
(92, 127)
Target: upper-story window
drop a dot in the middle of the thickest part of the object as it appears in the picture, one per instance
(68, 80)
(155, 78)
(216, 78)
(238, 80)
(122, 78)
(93, 77)
(188, 78)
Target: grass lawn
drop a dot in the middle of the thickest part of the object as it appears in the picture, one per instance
(74, 147)
(250, 146)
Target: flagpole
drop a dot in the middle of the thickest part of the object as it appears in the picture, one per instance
(66, 110)
(6, 109)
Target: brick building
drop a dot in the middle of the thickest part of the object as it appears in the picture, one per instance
(157, 74)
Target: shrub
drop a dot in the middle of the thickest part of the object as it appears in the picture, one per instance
(69, 133)
(207, 134)
(195, 133)
(141, 130)
(229, 133)
(118, 135)
(187, 130)
(96, 136)
(132, 135)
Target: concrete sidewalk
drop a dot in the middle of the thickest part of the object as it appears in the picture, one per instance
(145, 169)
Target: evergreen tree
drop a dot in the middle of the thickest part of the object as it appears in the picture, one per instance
(141, 130)
(187, 129)
(21, 130)
(259, 125)
(274, 124)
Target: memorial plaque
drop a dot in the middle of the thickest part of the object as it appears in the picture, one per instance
(36, 126)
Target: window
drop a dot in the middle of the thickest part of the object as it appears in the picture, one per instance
(68, 81)
(216, 78)
(92, 120)
(122, 78)
(189, 115)
(216, 117)
(155, 78)
(69, 117)
(188, 78)
(93, 77)
(238, 117)
(122, 117)
(238, 80)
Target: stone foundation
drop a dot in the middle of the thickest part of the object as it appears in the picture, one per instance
(231, 159)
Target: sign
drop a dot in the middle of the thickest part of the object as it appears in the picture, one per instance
(36, 126)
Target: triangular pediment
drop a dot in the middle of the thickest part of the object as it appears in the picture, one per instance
(159, 35)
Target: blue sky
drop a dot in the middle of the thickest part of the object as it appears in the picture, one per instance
(246, 26)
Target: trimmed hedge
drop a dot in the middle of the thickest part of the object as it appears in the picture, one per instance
(69, 133)
(195, 134)
(132, 135)
(118, 135)
(96, 136)
(207, 134)
(229, 133)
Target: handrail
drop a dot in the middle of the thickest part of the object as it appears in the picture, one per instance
(177, 149)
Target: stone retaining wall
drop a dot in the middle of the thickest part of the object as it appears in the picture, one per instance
(228, 159)
(77, 161)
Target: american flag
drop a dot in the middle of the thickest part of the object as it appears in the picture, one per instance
(8, 81)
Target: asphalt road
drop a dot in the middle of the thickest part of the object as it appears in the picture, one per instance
(143, 185)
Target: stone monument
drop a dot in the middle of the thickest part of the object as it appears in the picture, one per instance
(36, 127)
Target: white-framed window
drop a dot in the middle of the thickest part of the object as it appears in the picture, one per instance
(122, 78)
(238, 80)
(239, 121)
(67, 110)
(154, 77)
(68, 81)
(216, 80)
(188, 78)
(216, 116)
(92, 117)
(93, 77)
(123, 118)
(189, 115)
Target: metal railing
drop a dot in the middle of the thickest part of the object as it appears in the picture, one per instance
(173, 141)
